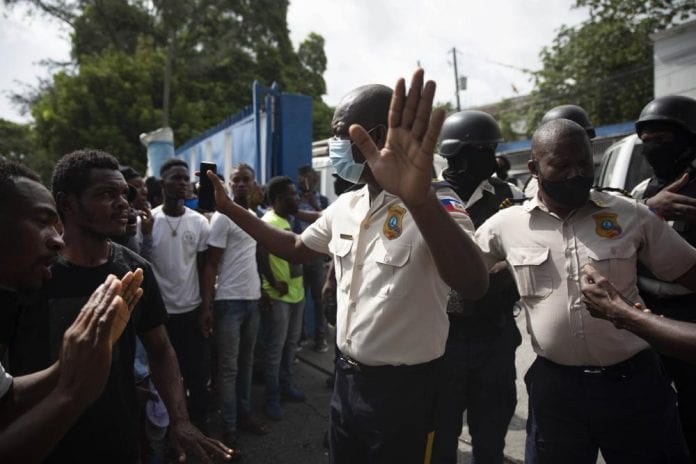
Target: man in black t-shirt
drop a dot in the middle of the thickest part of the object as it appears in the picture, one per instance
(91, 196)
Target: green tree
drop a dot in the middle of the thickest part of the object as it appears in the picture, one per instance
(106, 105)
(605, 64)
(18, 143)
(120, 48)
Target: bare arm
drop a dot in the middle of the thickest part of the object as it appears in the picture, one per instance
(27, 391)
(208, 274)
(282, 243)
(308, 216)
(34, 433)
(403, 167)
(674, 338)
(168, 381)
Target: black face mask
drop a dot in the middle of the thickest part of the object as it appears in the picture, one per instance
(471, 167)
(668, 159)
(572, 192)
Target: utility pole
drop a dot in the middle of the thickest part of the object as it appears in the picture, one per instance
(456, 77)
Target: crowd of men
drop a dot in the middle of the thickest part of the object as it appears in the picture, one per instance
(123, 308)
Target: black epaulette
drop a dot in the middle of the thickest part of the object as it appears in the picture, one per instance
(620, 191)
(512, 201)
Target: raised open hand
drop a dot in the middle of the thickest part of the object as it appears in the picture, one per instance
(404, 166)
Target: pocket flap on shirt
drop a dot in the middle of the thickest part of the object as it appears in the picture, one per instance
(611, 252)
(392, 254)
(340, 247)
(527, 256)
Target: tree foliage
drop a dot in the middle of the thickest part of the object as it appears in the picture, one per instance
(605, 64)
(114, 91)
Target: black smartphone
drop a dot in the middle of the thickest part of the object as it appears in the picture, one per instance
(206, 192)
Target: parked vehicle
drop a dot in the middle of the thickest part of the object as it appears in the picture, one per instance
(623, 165)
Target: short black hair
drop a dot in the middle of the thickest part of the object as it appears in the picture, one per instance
(154, 188)
(170, 163)
(245, 166)
(71, 174)
(277, 187)
(10, 172)
(306, 170)
(129, 173)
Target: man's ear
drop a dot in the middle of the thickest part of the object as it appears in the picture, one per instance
(379, 135)
(533, 167)
(65, 203)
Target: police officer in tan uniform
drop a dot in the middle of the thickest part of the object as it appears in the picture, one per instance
(592, 387)
(398, 244)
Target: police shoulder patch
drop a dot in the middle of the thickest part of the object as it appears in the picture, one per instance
(393, 225)
(607, 225)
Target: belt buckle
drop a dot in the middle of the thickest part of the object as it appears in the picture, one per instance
(593, 370)
(352, 363)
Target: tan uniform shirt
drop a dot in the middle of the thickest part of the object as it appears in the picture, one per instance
(391, 299)
(546, 255)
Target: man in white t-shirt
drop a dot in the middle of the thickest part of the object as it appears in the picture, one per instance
(234, 315)
(179, 240)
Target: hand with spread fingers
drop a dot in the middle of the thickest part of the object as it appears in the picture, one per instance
(404, 166)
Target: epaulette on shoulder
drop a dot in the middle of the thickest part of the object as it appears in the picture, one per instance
(511, 201)
(440, 184)
(622, 192)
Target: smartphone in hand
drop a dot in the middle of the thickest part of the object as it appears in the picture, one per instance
(206, 192)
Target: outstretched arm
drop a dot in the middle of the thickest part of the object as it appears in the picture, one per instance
(404, 167)
(278, 242)
(674, 338)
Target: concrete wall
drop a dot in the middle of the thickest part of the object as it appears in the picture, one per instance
(675, 60)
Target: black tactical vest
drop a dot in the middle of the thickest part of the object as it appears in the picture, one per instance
(485, 316)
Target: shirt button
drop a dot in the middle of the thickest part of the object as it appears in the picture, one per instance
(352, 304)
(366, 225)
(360, 266)
(348, 341)
(387, 259)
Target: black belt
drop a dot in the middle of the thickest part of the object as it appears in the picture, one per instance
(352, 364)
(624, 367)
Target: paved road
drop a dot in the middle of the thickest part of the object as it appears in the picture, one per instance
(298, 438)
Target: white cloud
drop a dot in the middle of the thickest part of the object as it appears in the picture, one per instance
(367, 41)
(24, 42)
(379, 41)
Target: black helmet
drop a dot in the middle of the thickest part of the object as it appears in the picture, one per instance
(675, 109)
(468, 128)
(573, 112)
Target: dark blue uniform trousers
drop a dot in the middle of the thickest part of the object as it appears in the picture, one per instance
(382, 414)
(479, 378)
(628, 411)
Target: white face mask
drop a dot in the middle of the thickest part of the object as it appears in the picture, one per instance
(341, 156)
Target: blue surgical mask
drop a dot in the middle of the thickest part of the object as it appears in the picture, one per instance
(341, 156)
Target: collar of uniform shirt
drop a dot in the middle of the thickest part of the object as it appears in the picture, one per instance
(532, 203)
